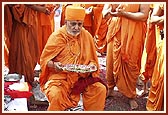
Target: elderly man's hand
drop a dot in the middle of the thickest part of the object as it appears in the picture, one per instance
(58, 66)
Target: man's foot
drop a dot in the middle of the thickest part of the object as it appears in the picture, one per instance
(145, 91)
(143, 94)
(140, 80)
(133, 104)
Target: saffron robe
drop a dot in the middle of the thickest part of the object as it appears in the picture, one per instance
(45, 28)
(23, 52)
(7, 33)
(155, 101)
(149, 53)
(100, 27)
(64, 48)
(125, 42)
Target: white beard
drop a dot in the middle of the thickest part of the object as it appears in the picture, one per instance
(71, 33)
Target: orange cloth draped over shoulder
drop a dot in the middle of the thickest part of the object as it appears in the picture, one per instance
(23, 52)
(155, 101)
(77, 54)
(125, 40)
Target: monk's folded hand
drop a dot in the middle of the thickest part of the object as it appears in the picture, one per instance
(58, 66)
(119, 11)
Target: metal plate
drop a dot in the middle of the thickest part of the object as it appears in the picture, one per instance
(12, 77)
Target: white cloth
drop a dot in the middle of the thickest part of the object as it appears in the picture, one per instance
(17, 104)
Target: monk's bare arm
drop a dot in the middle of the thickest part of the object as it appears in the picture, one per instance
(155, 16)
(142, 15)
(56, 65)
(39, 8)
(105, 11)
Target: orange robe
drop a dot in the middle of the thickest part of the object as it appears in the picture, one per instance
(100, 27)
(6, 55)
(149, 53)
(88, 21)
(45, 28)
(23, 52)
(125, 40)
(64, 48)
(155, 99)
(7, 33)
(62, 22)
(52, 8)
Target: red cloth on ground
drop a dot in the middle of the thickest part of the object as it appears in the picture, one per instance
(17, 93)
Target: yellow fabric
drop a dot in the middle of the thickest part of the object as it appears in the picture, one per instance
(64, 48)
(156, 95)
(149, 52)
(100, 27)
(125, 40)
(74, 13)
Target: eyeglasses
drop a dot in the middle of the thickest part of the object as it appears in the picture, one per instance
(75, 23)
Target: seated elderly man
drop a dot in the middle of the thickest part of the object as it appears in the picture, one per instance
(68, 50)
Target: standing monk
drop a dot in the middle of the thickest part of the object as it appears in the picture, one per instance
(125, 40)
(45, 25)
(155, 101)
(23, 52)
(149, 54)
(100, 26)
(71, 44)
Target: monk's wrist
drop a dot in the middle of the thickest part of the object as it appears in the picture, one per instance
(51, 64)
